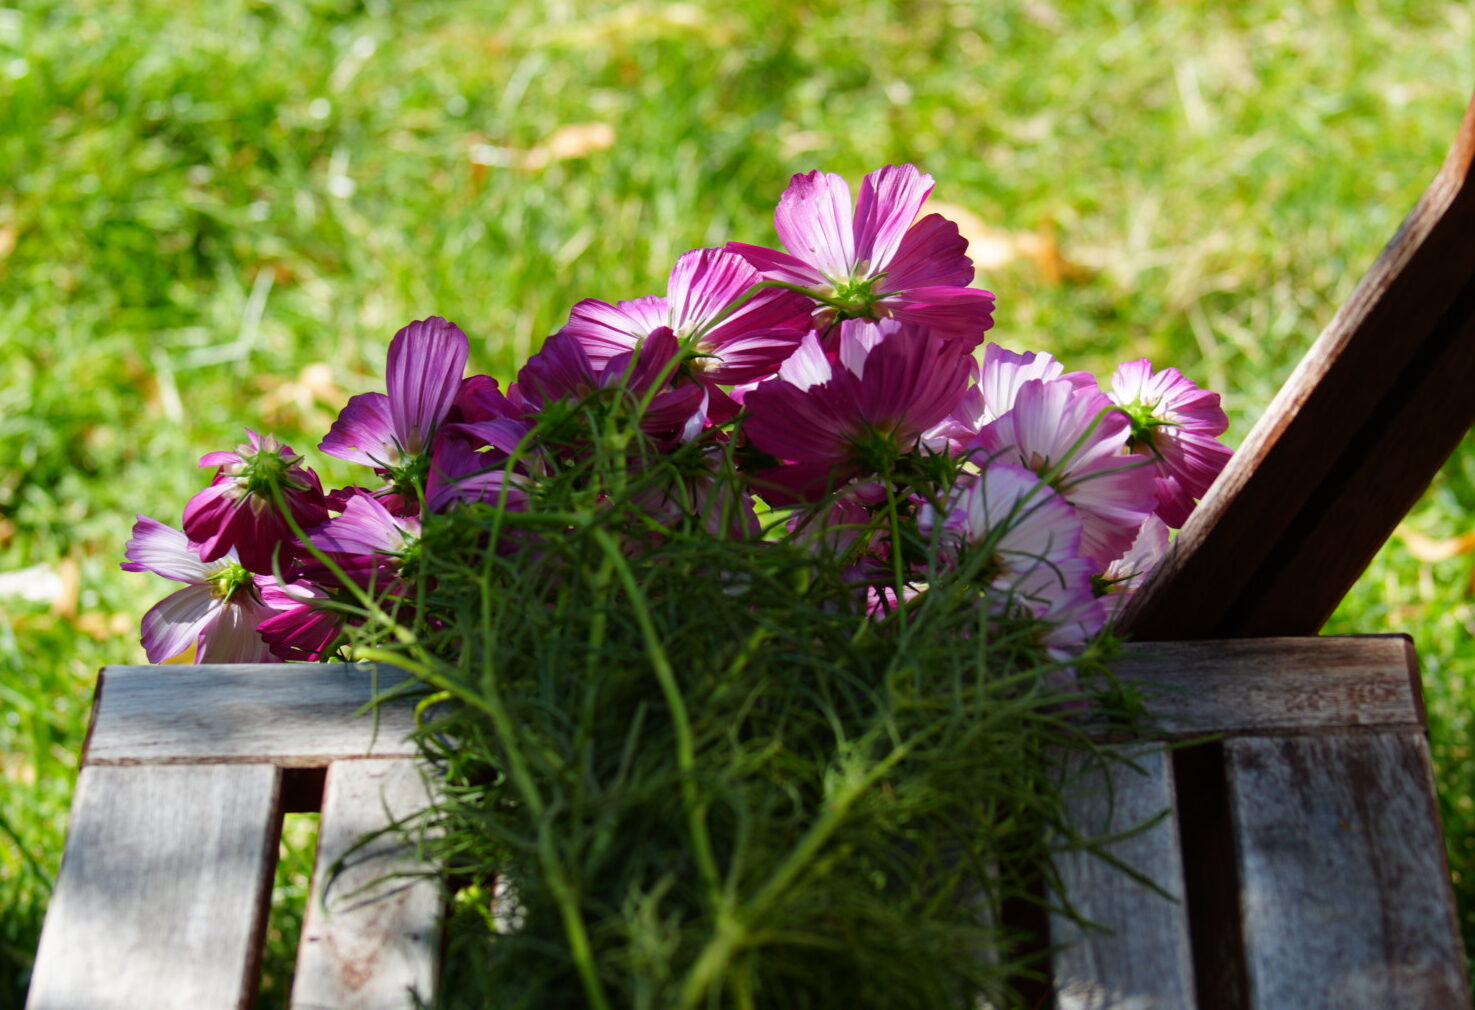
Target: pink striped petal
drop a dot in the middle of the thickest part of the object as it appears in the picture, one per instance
(365, 527)
(165, 551)
(426, 360)
(704, 282)
(931, 254)
(364, 433)
(777, 266)
(814, 222)
(607, 330)
(176, 622)
(890, 200)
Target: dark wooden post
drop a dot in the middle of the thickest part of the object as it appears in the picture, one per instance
(1345, 449)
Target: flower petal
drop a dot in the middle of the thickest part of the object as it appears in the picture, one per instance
(815, 222)
(174, 623)
(234, 637)
(426, 360)
(890, 200)
(931, 254)
(364, 433)
(164, 551)
(777, 266)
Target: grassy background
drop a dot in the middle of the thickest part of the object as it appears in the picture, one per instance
(214, 215)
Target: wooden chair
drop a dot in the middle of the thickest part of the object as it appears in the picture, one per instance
(1312, 866)
(1299, 864)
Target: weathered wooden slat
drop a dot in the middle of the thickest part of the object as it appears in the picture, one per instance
(1344, 888)
(162, 898)
(297, 715)
(1346, 447)
(1275, 684)
(369, 938)
(1141, 960)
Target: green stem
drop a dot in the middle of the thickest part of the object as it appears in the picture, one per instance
(696, 814)
(732, 933)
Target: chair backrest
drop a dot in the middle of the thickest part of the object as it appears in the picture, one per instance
(170, 857)
(1346, 447)
(1296, 860)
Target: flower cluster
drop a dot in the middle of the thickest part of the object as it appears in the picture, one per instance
(833, 392)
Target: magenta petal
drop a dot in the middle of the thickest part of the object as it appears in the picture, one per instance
(798, 483)
(174, 623)
(480, 399)
(808, 365)
(304, 630)
(956, 313)
(913, 380)
(814, 425)
(931, 254)
(365, 527)
(753, 356)
(505, 435)
(235, 636)
(605, 330)
(426, 360)
(209, 520)
(815, 222)
(704, 282)
(164, 551)
(364, 433)
(777, 266)
(890, 200)
(560, 370)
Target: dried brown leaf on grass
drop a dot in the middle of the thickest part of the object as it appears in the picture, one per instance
(991, 248)
(567, 143)
(640, 22)
(1426, 548)
(309, 401)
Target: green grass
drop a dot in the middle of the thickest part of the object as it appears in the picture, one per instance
(215, 215)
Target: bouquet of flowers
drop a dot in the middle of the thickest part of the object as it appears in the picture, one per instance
(750, 612)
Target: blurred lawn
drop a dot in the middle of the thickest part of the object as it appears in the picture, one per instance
(214, 215)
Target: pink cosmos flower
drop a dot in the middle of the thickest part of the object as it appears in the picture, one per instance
(998, 378)
(1027, 523)
(729, 340)
(242, 508)
(836, 420)
(389, 431)
(1072, 436)
(459, 473)
(675, 409)
(368, 544)
(1126, 574)
(875, 260)
(1177, 422)
(1035, 538)
(218, 611)
(300, 627)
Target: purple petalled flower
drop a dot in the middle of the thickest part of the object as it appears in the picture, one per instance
(390, 431)
(1178, 423)
(727, 339)
(218, 611)
(877, 260)
(245, 508)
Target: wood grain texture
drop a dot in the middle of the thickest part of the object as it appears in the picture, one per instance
(1275, 684)
(369, 938)
(1344, 889)
(1347, 446)
(291, 715)
(1141, 960)
(162, 897)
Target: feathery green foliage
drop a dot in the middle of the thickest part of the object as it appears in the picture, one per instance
(683, 770)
